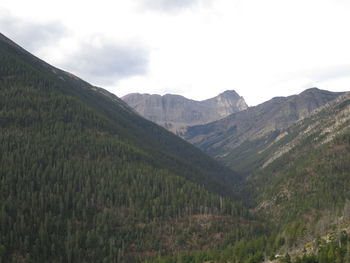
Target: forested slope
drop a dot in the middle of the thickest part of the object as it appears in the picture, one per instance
(301, 187)
(311, 170)
(84, 179)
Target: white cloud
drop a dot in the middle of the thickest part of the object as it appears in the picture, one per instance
(168, 5)
(259, 48)
(33, 35)
(171, 6)
(105, 62)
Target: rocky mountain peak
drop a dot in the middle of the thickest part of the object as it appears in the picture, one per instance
(312, 90)
(229, 94)
(176, 112)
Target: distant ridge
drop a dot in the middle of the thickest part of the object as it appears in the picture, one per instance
(176, 113)
(222, 138)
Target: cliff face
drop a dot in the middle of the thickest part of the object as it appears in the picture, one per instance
(176, 112)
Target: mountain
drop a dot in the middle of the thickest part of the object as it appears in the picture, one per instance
(85, 179)
(308, 166)
(237, 139)
(303, 185)
(176, 113)
(302, 189)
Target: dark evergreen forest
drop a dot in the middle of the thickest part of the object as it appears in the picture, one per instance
(85, 179)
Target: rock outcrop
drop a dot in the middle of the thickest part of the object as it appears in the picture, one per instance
(176, 113)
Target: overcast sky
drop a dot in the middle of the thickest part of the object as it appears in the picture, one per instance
(195, 48)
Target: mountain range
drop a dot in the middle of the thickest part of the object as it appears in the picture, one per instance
(234, 138)
(85, 178)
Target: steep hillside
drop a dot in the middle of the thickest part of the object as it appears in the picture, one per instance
(303, 186)
(237, 138)
(176, 113)
(85, 179)
(303, 190)
(309, 167)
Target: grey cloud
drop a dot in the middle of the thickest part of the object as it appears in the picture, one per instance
(329, 73)
(108, 63)
(31, 36)
(169, 5)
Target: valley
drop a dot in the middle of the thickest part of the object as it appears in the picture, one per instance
(88, 177)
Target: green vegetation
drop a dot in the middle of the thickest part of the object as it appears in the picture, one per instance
(331, 248)
(247, 251)
(303, 194)
(309, 178)
(84, 179)
(250, 155)
(335, 249)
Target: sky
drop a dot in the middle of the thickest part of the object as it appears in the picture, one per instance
(195, 48)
